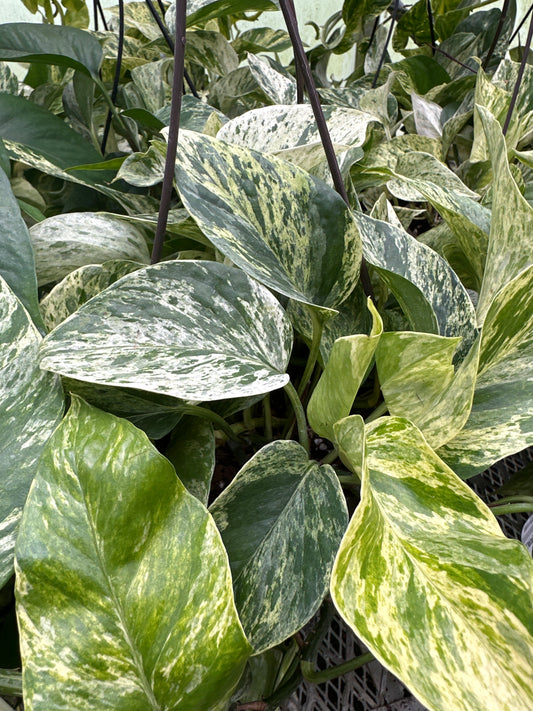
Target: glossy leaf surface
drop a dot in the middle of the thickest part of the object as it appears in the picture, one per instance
(349, 361)
(511, 238)
(280, 89)
(192, 452)
(280, 225)
(192, 330)
(501, 421)
(115, 561)
(428, 290)
(31, 404)
(428, 581)
(18, 264)
(419, 382)
(281, 520)
(65, 242)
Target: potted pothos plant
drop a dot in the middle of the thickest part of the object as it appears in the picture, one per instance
(249, 366)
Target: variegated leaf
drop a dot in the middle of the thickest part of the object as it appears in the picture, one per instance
(501, 421)
(280, 225)
(212, 51)
(428, 581)
(510, 247)
(79, 286)
(200, 11)
(419, 382)
(348, 363)
(115, 563)
(191, 330)
(65, 242)
(192, 452)
(428, 290)
(18, 264)
(143, 169)
(31, 405)
(281, 520)
(278, 128)
(279, 88)
(195, 115)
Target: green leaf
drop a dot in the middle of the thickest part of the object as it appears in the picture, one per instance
(353, 11)
(65, 242)
(212, 51)
(36, 128)
(261, 39)
(277, 223)
(115, 563)
(501, 421)
(143, 169)
(279, 87)
(51, 44)
(151, 81)
(428, 581)
(31, 404)
(428, 291)
(191, 330)
(419, 382)
(281, 520)
(199, 11)
(348, 363)
(79, 286)
(511, 240)
(18, 264)
(9, 82)
(195, 114)
(192, 451)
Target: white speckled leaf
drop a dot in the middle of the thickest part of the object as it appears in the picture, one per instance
(65, 242)
(31, 405)
(279, 224)
(18, 264)
(349, 360)
(429, 582)
(428, 290)
(419, 382)
(279, 88)
(79, 286)
(192, 330)
(281, 520)
(143, 169)
(510, 247)
(192, 452)
(124, 595)
(278, 128)
(501, 421)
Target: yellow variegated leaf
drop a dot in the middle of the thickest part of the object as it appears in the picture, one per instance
(428, 581)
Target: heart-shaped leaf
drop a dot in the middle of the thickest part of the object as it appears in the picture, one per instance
(115, 562)
(501, 420)
(65, 242)
(192, 330)
(419, 382)
(429, 582)
(273, 220)
(281, 520)
(31, 405)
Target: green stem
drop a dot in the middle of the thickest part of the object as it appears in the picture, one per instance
(206, 414)
(10, 682)
(267, 413)
(318, 328)
(513, 500)
(331, 457)
(300, 415)
(319, 677)
(511, 509)
(380, 410)
(349, 480)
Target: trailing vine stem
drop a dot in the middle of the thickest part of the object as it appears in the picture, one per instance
(289, 15)
(519, 77)
(319, 677)
(318, 328)
(301, 422)
(118, 67)
(450, 57)
(169, 41)
(172, 146)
